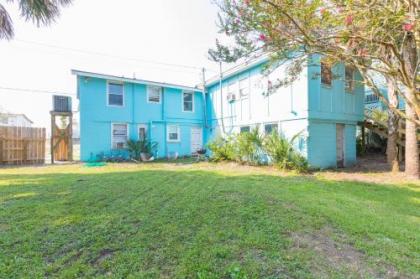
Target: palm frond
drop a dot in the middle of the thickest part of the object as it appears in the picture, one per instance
(6, 26)
(41, 12)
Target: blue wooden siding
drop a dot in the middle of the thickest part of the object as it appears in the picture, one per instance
(96, 117)
(306, 107)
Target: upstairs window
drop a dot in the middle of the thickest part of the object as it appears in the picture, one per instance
(270, 128)
(188, 101)
(349, 78)
(115, 94)
(119, 136)
(326, 74)
(154, 94)
(244, 88)
(173, 133)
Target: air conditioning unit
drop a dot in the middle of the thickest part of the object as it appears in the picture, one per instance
(231, 97)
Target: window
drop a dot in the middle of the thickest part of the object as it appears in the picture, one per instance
(173, 133)
(188, 101)
(371, 98)
(245, 129)
(119, 136)
(243, 88)
(115, 94)
(349, 77)
(270, 128)
(154, 94)
(326, 74)
(142, 132)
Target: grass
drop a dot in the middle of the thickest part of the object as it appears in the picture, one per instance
(203, 221)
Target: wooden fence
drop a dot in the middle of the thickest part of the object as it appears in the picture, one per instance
(22, 145)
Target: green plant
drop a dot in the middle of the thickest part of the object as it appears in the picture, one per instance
(249, 147)
(141, 146)
(222, 149)
(283, 154)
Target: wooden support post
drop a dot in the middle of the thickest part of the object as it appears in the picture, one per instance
(52, 137)
(363, 139)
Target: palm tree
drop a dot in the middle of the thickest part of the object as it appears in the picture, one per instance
(41, 12)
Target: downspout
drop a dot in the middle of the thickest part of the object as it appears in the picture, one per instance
(133, 107)
(165, 145)
(221, 96)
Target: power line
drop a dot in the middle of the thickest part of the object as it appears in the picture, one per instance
(88, 52)
(22, 90)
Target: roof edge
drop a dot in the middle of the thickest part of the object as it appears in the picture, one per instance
(246, 65)
(133, 80)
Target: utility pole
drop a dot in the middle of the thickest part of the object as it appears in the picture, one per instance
(203, 76)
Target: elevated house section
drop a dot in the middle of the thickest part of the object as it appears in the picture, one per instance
(323, 106)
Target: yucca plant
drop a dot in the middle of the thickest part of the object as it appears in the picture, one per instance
(136, 148)
(222, 149)
(282, 152)
(249, 147)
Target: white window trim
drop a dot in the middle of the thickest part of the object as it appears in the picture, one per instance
(148, 94)
(193, 103)
(138, 130)
(178, 130)
(107, 93)
(112, 135)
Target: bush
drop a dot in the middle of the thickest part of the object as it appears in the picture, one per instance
(140, 146)
(283, 154)
(249, 147)
(253, 148)
(222, 149)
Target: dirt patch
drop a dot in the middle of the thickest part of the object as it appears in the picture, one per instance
(337, 256)
(370, 169)
(103, 255)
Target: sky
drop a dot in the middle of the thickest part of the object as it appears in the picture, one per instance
(140, 38)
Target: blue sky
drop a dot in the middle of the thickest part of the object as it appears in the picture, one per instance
(107, 36)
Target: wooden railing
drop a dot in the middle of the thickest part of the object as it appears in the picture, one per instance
(22, 145)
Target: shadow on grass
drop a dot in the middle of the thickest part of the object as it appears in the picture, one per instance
(191, 223)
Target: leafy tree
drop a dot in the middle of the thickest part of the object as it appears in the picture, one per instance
(41, 12)
(375, 37)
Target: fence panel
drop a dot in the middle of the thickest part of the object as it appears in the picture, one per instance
(22, 145)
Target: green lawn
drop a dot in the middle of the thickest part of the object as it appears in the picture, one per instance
(203, 221)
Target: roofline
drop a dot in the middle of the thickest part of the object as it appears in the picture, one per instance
(133, 80)
(238, 68)
(17, 114)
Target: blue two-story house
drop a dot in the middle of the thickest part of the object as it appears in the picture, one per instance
(323, 106)
(115, 109)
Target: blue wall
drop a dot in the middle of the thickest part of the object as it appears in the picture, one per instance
(96, 117)
(306, 107)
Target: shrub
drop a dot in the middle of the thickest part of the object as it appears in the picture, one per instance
(253, 148)
(250, 147)
(283, 154)
(141, 146)
(222, 149)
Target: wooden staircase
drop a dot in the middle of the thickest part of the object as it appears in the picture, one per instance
(381, 128)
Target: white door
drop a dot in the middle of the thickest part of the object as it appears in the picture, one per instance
(340, 145)
(196, 139)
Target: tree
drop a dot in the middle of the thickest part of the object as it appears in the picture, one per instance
(375, 37)
(41, 12)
